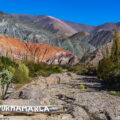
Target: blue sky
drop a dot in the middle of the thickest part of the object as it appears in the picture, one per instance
(92, 12)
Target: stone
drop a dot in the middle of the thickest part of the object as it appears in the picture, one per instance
(89, 104)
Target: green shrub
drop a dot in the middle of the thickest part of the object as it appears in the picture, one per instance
(82, 71)
(82, 87)
(75, 68)
(36, 68)
(21, 74)
(110, 73)
(78, 69)
(43, 69)
(56, 69)
(5, 79)
(114, 93)
(7, 62)
(1, 66)
(42, 73)
(113, 80)
(11, 69)
(109, 67)
(104, 68)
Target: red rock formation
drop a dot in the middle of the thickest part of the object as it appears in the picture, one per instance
(42, 52)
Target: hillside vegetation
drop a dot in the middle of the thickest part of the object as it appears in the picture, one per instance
(23, 71)
(109, 66)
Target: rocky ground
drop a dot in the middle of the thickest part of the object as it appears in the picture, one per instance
(92, 103)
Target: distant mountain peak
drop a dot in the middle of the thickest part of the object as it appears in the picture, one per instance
(1, 12)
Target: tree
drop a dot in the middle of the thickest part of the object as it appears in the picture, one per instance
(104, 68)
(115, 52)
(103, 52)
(109, 67)
(21, 74)
(5, 79)
(107, 52)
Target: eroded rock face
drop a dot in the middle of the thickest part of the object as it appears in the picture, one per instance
(97, 55)
(35, 51)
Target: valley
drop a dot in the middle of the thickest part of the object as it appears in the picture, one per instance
(48, 61)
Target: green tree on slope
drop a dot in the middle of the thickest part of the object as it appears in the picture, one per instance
(115, 52)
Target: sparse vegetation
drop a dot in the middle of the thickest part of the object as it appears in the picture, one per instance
(104, 68)
(5, 79)
(21, 74)
(114, 93)
(6, 62)
(78, 69)
(109, 66)
(24, 70)
(43, 69)
(11, 69)
(81, 69)
(82, 87)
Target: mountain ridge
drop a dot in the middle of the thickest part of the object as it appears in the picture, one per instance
(48, 22)
(35, 51)
(76, 26)
(79, 43)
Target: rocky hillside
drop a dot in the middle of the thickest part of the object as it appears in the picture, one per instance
(91, 103)
(79, 43)
(49, 22)
(101, 38)
(44, 53)
(107, 27)
(55, 25)
(86, 40)
(78, 35)
(27, 32)
(11, 26)
(97, 55)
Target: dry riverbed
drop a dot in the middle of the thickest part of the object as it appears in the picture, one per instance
(91, 103)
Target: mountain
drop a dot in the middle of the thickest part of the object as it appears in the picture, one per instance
(101, 38)
(59, 26)
(32, 29)
(84, 44)
(48, 22)
(78, 46)
(81, 27)
(27, 32)
(107, 27)
(11, 26)
(19, 50)
(24, 31)
(97, 55)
